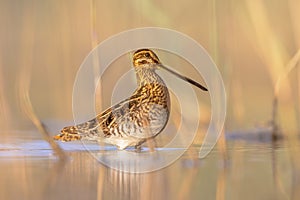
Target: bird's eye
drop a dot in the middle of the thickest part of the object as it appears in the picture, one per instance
(147, 55)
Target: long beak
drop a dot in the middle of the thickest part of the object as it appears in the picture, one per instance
(184, 78)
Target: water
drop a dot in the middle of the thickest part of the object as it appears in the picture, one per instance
(246, 170)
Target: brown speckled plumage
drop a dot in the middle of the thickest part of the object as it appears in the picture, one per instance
(136, 119)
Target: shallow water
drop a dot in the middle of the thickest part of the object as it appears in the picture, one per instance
(246, 170)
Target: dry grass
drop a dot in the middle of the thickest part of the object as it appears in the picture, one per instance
(4, 106)
(24, 81)
(279, 63)
(283, 78)
(270, 48)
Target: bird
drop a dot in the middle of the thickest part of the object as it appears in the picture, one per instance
(137, 119)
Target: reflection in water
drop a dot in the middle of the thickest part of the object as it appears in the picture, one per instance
(256, 171)
(122, 185)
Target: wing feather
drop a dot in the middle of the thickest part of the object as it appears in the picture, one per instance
(101, 123)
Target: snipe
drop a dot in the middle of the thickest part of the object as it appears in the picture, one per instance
(134, 120)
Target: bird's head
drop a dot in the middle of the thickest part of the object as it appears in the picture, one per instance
(145, 57)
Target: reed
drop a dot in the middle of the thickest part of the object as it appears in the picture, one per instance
(274, 55)
(5, 117)
(215, 54)
(285, 117)
(280, 81)
(27, 45)
(94, 42)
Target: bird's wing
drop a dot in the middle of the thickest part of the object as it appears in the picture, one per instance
(121, 106)
(105, 119)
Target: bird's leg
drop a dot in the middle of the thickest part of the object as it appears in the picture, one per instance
(151, 144)
(138, 148)
(148, 134)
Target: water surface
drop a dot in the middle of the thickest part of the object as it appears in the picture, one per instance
(246, 170)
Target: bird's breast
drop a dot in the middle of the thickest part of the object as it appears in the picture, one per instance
(147, 115)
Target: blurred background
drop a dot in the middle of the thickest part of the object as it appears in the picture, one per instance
(255, 44)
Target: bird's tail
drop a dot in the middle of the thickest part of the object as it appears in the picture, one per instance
(80, 131)
(67, 134)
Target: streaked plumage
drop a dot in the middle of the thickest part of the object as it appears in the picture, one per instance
(136, 119)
